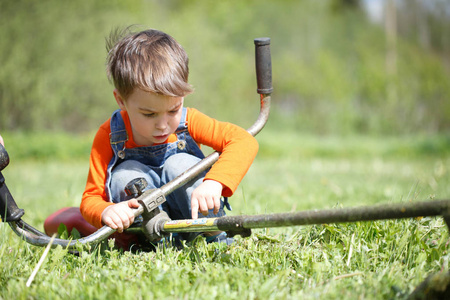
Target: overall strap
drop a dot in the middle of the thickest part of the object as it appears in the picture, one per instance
(183, 125)
(118, 135)
(182, 131)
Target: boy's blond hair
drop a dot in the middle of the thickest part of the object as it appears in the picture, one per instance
(150, 60)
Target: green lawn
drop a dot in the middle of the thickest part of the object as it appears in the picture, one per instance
(364, 260)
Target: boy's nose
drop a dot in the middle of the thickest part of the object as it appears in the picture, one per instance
(161, 123)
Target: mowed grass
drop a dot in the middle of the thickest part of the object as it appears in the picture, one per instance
(362, 260)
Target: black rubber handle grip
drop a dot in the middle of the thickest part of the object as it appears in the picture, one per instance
(4, 157)
(263, 63)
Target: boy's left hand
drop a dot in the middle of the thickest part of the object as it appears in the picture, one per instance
(206, 196)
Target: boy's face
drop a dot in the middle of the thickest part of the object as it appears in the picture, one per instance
(153, 117)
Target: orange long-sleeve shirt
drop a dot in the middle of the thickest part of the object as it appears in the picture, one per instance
(238, 150)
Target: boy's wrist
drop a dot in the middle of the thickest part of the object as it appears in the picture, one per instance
(215, 183)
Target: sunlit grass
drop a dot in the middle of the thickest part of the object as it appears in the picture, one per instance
(370, 260)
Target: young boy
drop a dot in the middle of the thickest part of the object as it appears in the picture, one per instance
(154, 136)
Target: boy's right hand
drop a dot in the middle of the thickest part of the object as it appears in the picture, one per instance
(120, 216)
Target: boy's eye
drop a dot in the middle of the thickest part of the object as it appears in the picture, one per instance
(149, 115)
(176, 110)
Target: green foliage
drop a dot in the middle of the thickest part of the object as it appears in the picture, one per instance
(47, 145)
(309, 146)
(63, 233)
(328, 65)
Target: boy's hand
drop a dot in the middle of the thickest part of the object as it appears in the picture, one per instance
(206, 196)
(120, 216)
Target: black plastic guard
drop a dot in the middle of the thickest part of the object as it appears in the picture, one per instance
(9, 212)
(8, 207)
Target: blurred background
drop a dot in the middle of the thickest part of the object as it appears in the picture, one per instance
(372, 67)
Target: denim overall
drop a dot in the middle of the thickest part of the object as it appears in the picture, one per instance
(158, 165)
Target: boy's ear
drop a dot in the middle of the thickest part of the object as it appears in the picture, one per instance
(120, 101)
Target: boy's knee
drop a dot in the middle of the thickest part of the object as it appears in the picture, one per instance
(123, 174)
(128, 169)
(130, 165)
(180, 162)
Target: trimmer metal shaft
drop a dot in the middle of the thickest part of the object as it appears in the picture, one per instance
(242, 224)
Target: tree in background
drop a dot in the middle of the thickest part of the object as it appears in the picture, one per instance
(334, 70)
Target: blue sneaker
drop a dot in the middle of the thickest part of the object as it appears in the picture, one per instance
(220, 238)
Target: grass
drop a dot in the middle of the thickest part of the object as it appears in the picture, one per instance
(363, 260)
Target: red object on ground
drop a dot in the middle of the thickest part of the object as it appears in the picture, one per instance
(72, 218)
